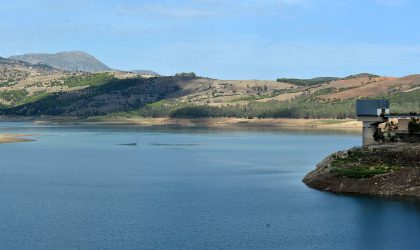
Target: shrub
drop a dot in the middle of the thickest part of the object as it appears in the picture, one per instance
(186, 75)
(386, 134)
(414, 126)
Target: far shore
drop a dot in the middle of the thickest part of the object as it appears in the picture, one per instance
(274, 123)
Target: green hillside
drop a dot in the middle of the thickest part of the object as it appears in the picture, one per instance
(34, 90)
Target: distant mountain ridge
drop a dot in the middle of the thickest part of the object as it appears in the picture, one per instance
(67, 61)
(14, 62)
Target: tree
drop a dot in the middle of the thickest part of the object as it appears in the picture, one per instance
(186, 75)
(414, 126)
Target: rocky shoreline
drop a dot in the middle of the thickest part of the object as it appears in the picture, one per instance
(380, 170)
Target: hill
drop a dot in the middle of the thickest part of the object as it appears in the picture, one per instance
(37, 89)
(67, 61)
(308, 82)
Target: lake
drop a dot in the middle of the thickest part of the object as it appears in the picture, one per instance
(126, 187)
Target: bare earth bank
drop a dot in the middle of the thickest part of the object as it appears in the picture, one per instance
(326, 124)
(9, 138)
(346, 124)
(380, 170)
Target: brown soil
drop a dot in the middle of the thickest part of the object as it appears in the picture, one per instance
(9, 138)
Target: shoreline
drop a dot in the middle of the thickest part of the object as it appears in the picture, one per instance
(266, 123)
(328, 125)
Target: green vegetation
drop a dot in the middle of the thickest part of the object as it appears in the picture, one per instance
(158, 104)
(405, 101)
(36, 96)
(186, 75)
(361, 75)
(414, 126)
(14, 96)
(304, 108)
(363, 172)
(8, 83)
(251, 98)
(325, 91)
(122, 95)
(103, 93)
(321, 80)
(308, 82)
(88, 80)
(359, 163)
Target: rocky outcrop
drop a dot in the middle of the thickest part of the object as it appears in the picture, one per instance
(381, 170)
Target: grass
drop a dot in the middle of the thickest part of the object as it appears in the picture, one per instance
(250, 98)
(14, 96)
(364, 172)
(359, 164)
(158, 104)
(88, 80)
(325, 91)
(37, 96)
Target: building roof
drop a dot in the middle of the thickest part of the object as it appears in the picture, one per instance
(370, 107)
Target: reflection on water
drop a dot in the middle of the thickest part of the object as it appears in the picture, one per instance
(127, 187)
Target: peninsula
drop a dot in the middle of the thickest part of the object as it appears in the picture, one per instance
(388, 164)
(382, 170)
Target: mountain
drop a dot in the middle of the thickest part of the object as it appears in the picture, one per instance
(5, 62)
(67, 61)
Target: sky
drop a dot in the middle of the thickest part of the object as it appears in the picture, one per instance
(225, 39)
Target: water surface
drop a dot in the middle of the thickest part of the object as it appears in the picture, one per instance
(126, 187)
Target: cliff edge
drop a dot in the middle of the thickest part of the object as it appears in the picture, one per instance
(382, 170)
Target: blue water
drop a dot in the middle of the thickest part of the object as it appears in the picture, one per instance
(77, 187)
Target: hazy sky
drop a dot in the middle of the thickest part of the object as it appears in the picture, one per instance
(236, 39)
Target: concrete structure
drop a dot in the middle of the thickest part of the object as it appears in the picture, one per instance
(402, 121)
(402, 131)
(371, 113)
(374, 112)
(403, 125)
